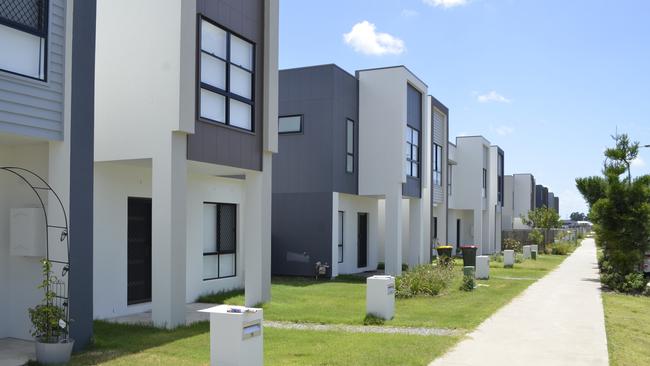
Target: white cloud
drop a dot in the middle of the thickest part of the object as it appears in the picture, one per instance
(365, 39)
(504, 130)
(446, 3)
(493, 96)
(638, 162)
(408, 13)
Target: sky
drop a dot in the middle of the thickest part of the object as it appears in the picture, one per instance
(549, 81)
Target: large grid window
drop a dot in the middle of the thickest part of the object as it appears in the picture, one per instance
(341, 232)
(219, 241)
(23, 37)
(349, 146)
(437, 165)
(227, 70)
(412, 150)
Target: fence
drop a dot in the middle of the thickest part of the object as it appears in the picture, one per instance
(550, 236)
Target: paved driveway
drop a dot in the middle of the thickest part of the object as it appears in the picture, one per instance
(558, 320)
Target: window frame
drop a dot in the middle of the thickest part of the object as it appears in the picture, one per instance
(450, 175)
(349, 154)
(227, 94)
(300, 131)
(219, 253)
(409, 157)
(437, 165)
(341, 234)
(44, 35)
(484, 183)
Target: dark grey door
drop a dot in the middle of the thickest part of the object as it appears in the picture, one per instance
(139, 250)
(457, 233)
(362, 241)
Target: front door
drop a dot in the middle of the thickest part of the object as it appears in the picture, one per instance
(139, 251)
(362, 241)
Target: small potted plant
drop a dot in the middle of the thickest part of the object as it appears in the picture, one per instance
(49, 326)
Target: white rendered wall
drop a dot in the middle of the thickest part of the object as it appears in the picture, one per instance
(466, 228)
(523, 185)
(352, 205)
(19, 276)
(493, 207)
(144, 76)
(508, 203)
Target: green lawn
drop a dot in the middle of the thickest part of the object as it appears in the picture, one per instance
(628, 334)
(139, 345)
(343, 301)
(334, 302)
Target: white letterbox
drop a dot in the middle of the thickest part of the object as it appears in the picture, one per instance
(534, 248)
(526, 249)
(509, 258)
(482, 267)
(27, 232)
(380, 296)
(236, 336)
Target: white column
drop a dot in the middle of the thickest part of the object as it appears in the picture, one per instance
(478, 231)
(169, 239)
(416, 238)
(335, 234)
(257, 235)
(393, 236)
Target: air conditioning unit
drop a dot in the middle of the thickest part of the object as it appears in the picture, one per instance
(27, 232)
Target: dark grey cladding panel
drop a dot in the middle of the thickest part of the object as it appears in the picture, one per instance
(412, 188)
(314, 160)
(414, 108)
(81, 172)
(219, 144)
(302, 232)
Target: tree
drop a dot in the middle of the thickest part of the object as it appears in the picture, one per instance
(578, 216)
(620, 208)
(542, 218)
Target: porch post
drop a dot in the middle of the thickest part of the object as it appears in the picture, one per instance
(415, 232)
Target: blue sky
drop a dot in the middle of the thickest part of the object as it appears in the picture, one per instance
(549, 81)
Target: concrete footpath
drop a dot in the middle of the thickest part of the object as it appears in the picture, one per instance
(558, 320)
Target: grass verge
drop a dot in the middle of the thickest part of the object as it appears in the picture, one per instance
(628, 336)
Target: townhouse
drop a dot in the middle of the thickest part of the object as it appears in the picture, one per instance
(186, 126)
(441, 182)
(524, 198)
(508, 203)
(351, 181)
(478, 192)
(541, 196)
(46, 132)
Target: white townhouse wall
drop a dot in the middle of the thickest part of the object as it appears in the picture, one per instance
(524, 190)
(475, 202)
(46, 128)
(384, 114)
(508, 203)
(183, 161)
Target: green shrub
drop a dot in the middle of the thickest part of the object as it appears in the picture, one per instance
(512, 244)
(468, 284)
(633, 283)
(498, 258)
(372, 319)
(426, 280)
(381, 266)
(519, 258)
(561, 248)
(536, 237)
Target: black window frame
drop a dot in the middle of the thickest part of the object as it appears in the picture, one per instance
(348, 153)
(42, 33)
(484, 183)
(435, 227)
(219, 253)
(301, 130)
(436, 174)
(409, 158)
(341, 236)
(227, 94)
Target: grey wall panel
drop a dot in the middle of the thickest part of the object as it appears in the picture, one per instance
(302, 232)
(219, 144)
(81, 172)
(439, 136)
(346, 105)
(32, 107)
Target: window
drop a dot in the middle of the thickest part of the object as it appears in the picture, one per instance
(349, 158)
(435, 228)
(227, 70)
(484, 187)
(500, 179)
(219, 240)
(341, 221)
(412, 150)
(437, 165)
(290, 124)
(449, 178)
(23, 37)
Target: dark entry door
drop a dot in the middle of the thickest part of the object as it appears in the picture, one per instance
(457, 233)
(362, 241)
(139, 250)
